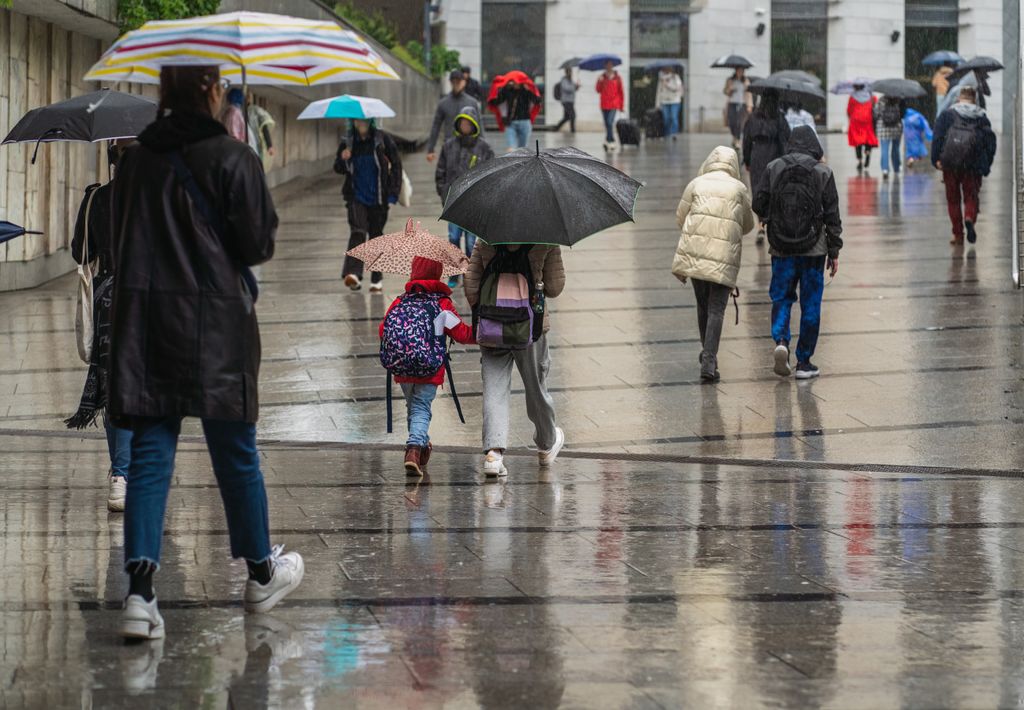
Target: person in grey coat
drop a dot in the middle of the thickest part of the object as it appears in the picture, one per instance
(448, 108)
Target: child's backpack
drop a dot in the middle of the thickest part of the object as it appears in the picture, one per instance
(961, 144)
(507, 316)
(409, 347)
(796, 215)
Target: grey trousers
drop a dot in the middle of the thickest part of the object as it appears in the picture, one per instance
(712, 300)
(533, 364)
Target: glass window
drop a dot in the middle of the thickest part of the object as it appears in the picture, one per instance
(512, 36)
(800, 41)
(659, 34)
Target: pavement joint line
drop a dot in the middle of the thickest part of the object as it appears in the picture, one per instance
(286, 444)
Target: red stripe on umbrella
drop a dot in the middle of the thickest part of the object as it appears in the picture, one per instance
(234, 45)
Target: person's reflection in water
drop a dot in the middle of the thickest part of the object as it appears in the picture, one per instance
(890, 198)
(269, 643)
(861, 196)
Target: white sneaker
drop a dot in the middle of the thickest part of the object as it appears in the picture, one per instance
(782, 368)
(116, 494)
(548, 457)
(494, 465)
(377, 287)
(353, 282)
(141, 619)
(288, 571)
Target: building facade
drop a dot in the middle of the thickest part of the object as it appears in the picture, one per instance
(834, 39)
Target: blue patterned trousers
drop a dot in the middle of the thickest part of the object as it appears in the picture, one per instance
(790, 273)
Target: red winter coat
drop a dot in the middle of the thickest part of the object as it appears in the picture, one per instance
(612, 95)
(461, 333)
(862, 122)
(499, 83)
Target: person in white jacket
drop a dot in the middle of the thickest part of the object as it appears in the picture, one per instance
(669, 98)
(714, 214)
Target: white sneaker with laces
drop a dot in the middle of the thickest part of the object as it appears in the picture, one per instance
(141, 619)
(377, 287)
(353, 282)
(288, 570)
(494, 465)
(781, 355)
(116, 493)
(548, 457)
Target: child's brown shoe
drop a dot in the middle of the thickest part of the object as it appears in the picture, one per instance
(425, 455)
(412, 461)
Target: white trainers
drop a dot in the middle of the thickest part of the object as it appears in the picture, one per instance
(353, 282)
(377, 287)
(781, 355)
(288, 571)
(548, 457)
(494, 465)
(116, 493)
(141, 619)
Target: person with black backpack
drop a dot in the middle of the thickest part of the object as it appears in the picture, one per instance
(889, 129)
(764, 140)
(963, 148)
(800, 204)
(507, 287)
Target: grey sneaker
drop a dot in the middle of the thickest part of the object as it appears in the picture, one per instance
(494, 465)
(141, 619)
(548, 457)
(807, 371)
(781, 356)
(288, 572)
(116, 494)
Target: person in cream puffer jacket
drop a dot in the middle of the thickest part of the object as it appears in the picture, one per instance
(714, 214)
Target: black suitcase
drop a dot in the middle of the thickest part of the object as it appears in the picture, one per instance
(629, 132)
(654, 124)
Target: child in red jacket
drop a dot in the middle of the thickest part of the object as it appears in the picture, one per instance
(420, 392)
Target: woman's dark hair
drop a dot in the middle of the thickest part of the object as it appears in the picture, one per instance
(768, 106)
(186, 88)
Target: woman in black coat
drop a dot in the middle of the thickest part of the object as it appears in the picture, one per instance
(764, 139)
(192, 214)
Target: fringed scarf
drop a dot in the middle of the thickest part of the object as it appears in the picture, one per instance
(94, 394)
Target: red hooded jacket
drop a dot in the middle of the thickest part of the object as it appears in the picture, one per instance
(499, 83)
(426, 277)
(612, 95)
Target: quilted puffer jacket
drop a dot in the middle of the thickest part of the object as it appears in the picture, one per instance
(713, 215)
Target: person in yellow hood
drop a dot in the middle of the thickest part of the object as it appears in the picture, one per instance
(714, 214)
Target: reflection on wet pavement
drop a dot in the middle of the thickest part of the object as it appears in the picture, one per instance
(852, 542)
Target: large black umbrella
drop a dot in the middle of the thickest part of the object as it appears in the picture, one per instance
(978, 64)
(898, 88)
(787, 87)
(659, 64)
(796, 75)
(99, 116)
(732, 61)
(554, 196)
(9, 231)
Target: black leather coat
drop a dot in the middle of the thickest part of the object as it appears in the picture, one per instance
(185, 338)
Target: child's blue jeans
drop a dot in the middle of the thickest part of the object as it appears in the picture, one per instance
(418, 401)
(891, 147)
(790, 273)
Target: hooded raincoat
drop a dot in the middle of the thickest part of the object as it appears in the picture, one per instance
(461, 153)
(915, 132)
(714, 214)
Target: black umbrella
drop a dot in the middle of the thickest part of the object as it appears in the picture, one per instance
(571, 63)
(788, 87)
(796, 75)
(978, 64)
(898, 88)
(554, 196)
(9, 231)
(732, 61)
(99, 116)
(659, 64)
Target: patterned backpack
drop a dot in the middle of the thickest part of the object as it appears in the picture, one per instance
(510, 313)
(409, 347)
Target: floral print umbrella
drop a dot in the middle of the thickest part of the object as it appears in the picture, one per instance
(393, 253)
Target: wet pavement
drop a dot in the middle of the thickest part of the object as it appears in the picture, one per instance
(857, 541)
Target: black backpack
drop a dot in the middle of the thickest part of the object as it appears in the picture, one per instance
(961, 144)
(558, 91)
(891, 116)
(796, 215)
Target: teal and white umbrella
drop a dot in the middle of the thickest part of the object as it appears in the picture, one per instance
(347, 106)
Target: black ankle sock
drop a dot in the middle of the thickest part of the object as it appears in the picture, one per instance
(140, 580)
(260, 571)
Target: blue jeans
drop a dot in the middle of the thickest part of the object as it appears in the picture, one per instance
(119, 445)
(609, 124)
(455, 235)
(236, 463)
(890, 146)
(418, 401)
(518, 133)
(789, 273)
(670, 114)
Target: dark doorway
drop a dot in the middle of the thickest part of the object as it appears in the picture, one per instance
(512, 37)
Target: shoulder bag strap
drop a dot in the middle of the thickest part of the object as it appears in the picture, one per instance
(451, 383)
(85, 241)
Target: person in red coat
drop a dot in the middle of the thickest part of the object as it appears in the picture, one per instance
(420, 392)
(613, 98)
(860, 109)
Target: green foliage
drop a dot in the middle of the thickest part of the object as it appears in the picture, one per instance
(442, 59)
(132, 14)
(373, 25)
(413, 60)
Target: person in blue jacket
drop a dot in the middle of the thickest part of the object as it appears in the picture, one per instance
(916, 132)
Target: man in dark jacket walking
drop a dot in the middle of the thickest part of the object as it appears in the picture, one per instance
(368, 158)
(461, 153)
(448, 108)
(963, 148)
(798, 200)
(473, 87)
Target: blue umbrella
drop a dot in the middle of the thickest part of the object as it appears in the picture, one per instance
(9, 231)
(943, 56)
(596, 62)
(659, 64)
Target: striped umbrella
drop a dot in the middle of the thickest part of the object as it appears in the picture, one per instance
(347, 106)
(249, 47)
